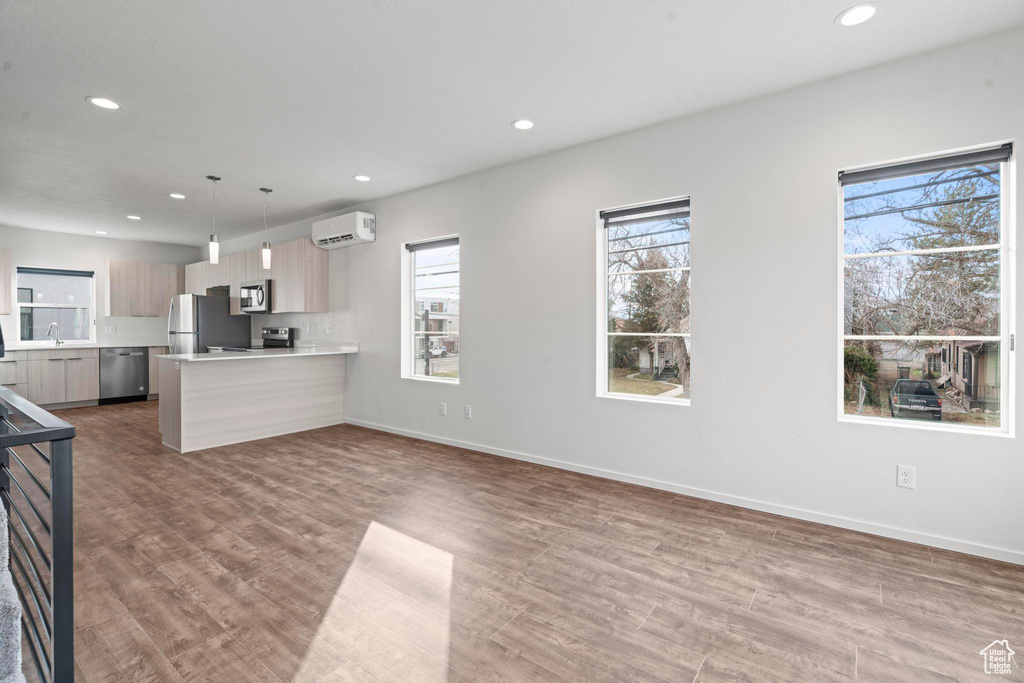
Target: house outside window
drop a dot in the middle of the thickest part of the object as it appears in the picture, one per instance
(430, 310)
(644, 302)
(926, 279)
(49, 295)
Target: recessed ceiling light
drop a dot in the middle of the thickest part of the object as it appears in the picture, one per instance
(101, 232)
(857, 14)
(361, 178)
(103, 102)
(134, 218)
(176, 195)
(522, 124)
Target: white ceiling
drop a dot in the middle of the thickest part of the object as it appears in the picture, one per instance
(301, 95)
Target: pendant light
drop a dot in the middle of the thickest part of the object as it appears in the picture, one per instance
(214, 240)
(265, 251)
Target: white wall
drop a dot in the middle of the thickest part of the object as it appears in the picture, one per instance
(762, 429)
(81, 252)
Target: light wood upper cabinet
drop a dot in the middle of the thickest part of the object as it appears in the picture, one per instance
(137, 293)
(192, 278)
(168, 280)
(243, 268)
(5, 282)
(218, 274)
(315, 270)
(299, 275)
(142, 288)
(204, 275)
(119, 289)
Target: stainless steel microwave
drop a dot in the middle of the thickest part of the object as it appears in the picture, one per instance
(255, 296)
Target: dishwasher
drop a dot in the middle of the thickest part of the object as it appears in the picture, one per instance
(124, 374)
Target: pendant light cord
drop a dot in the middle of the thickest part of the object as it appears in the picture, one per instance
(266, 195)
(213, 179)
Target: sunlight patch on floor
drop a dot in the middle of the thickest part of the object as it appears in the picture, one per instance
(391, 612)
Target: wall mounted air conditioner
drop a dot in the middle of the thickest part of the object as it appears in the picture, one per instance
(344, 231)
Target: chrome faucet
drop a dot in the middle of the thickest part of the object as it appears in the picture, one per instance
(54, 327)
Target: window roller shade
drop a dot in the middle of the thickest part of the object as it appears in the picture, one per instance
(662, 210)
(26, 270)
(433, 244)
(869, 175)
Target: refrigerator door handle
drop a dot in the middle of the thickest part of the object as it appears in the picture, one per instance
(170, 312)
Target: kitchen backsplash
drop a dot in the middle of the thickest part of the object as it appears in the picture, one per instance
(340, 326)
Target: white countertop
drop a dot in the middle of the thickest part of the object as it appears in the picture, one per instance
(104, 344)
(253, 354)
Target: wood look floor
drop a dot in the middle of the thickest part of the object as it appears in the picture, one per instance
(345, 554)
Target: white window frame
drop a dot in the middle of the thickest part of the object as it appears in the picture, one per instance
(48, 341)
(601, 268)
(408, 303)
(1007, 277)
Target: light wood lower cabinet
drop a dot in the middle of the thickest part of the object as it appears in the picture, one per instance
(46, 381)
(154, 368)
(14, 373)
(60, 376)
(82, 379)
(19, 389)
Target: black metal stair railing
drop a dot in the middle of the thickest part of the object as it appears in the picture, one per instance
(36, 489)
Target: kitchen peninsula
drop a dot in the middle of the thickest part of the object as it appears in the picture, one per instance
(216, 399)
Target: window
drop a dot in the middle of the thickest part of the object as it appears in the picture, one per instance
(927, 288)
(64, 297)
(644, 302)
(430, 310)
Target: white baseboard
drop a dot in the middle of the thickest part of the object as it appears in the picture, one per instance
(992, 552)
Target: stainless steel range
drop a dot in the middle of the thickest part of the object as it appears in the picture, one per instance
(278, 337)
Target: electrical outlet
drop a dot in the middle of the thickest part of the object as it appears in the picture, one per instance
(444, 408)
(906, 476)
(468, 412)
(307, 328)
(328, 328)
(110, 329)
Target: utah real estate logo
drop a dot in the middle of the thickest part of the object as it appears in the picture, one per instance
(998, 658)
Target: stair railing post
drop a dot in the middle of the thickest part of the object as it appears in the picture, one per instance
(62, 578)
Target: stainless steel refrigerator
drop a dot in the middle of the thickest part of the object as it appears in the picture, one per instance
(195, 323)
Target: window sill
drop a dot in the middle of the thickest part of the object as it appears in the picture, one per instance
(927, 426)
(436, 380)
(647, 399)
